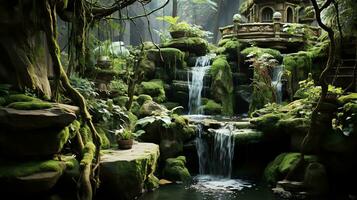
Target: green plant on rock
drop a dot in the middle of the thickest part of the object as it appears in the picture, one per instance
(124, 134)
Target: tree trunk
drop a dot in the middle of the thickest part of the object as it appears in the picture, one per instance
(25, 61)
(174, 8)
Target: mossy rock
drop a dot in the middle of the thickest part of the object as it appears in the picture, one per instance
(105, 142)
(195, 45)
(31, 105)
(2, 101)
(230, 47)
(19, 98)
(212, 108)
(258, 52)
(31, 177)
(167, 58)
(151, 108)
(36, 143)
(175, 169)
(154, 88)
(142, 98)
(125, 174)
(282, 164)
(222, 84)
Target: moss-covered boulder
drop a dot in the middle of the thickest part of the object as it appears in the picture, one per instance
(222, 84)
(212, 108)
(167, 58)
(194, 45)
(258, 52)
(230, 47)
(31, 177)
(142, 98)
(154, 88)
(282, 164)
(125, 174)
(170, 132)
(151, 108)
(175, 169)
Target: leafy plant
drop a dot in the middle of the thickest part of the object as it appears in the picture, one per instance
(4, 89)
(124, 134)
(84, 86)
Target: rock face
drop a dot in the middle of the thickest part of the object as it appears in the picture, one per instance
(195, 45)
(35, 119)
(126, 173)
(25, 133)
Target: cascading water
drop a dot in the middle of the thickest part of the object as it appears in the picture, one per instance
(278, 72)
(215, 162)
(223, 151)
(195, 86)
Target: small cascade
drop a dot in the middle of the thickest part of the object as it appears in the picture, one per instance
(278, 72)
(202, 151)
(223, 151)
(196, 84)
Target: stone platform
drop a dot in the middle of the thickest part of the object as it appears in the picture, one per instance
(126, 174)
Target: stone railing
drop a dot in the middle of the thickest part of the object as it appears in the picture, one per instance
(264, 32)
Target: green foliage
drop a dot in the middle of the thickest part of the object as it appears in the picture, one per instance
(124, 134)
(84, 86)
(88, 154)
(212, 108)
(118, 86)
(4, 89)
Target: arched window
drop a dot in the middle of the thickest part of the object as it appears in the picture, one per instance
(289, 15)
(267, 15)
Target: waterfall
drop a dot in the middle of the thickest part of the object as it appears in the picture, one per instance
(195, 86)
(278, 72)
(221, 153)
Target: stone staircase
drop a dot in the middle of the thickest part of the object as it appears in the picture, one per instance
(344, 74)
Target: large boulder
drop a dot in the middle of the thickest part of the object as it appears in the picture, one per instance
(175, 169)
(154, 88)
(194, 45)
(150, 108)
(167, 58)
(55, 117)
(282, 164)
(31, 177)
(126, 173)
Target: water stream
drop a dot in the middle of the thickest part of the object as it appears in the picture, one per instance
(278, 72)
(196, 84)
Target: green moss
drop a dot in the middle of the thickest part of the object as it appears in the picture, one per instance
(154, 88)
(212, 108)
(32, 105)
(19, 169)
(142, 98)
(229, 47)
(167, 57)
(300, 65)
(175, 169)
(19, 98)
(258, 52)
(121, 100)
(88, 154)
(194, 45)
(222, 84)
(283, 163)
(63, 137)
(347, 98)
(103, 138)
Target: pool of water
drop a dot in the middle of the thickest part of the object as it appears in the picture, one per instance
(205, 187)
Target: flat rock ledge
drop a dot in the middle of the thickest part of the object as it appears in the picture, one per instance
(126, 174)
